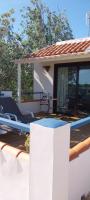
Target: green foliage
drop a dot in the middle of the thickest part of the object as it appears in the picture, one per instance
(27, 143)
(27, 81)
(44, 27)
(10, 48)
(57, 27)
(41, 27)
(6, 25)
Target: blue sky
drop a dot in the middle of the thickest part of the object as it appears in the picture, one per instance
(75, 11)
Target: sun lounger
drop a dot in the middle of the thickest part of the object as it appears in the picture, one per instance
(9, 107)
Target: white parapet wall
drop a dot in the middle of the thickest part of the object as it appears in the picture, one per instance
(27, 107)
(49, 160)
(54, 172)
(14, 173)
(79, 172)
(6, 93)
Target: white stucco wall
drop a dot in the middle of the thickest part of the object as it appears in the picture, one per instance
(49, 160)
(79, 176)
(6, 93)
(14, 177)
(27, 107)
(43, 80)
(52, 144)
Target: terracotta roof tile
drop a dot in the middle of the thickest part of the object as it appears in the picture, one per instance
(14, 151)
(64, 47)
(73, 152)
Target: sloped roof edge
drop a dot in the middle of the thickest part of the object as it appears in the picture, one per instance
(61, 49)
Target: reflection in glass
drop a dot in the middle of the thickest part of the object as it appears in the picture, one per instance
(84, 89)
(72, 77)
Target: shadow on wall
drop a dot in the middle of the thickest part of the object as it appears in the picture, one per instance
(43, 79)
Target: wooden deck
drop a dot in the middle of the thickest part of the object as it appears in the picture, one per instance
(79, 135)
(14, 139)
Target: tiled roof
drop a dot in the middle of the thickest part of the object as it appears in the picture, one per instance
(63, 48)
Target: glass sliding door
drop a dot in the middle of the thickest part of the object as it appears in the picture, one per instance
(66, 88)
(73, 87)
(84, 89)
(62, 88)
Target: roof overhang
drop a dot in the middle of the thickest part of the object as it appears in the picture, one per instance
(85, 56)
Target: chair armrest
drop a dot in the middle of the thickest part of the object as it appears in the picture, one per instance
(32, 114)
(3, 115)
(11, 116)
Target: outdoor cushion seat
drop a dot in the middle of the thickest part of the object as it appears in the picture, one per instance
(9, 106)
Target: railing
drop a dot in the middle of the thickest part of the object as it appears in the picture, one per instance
(26, 127)
(31, 96)
(81, 122)
(15, 124)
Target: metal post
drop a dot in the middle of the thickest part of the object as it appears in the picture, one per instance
(19, 83)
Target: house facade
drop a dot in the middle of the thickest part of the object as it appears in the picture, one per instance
(63, 71)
